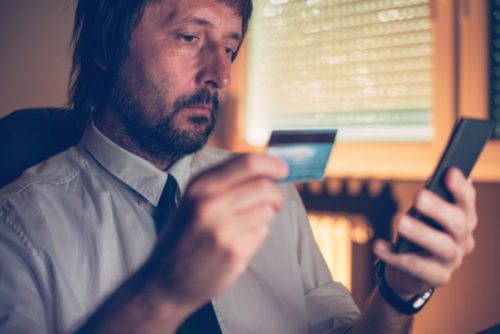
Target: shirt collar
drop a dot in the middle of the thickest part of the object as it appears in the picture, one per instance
(136, 172)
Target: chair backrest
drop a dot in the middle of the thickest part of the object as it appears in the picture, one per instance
(29, 136)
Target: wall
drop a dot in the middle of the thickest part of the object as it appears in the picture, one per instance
(35, 57)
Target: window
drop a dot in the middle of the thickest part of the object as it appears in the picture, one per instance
(364, 67)
(459, 87)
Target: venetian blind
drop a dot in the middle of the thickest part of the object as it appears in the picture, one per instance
(362, 66)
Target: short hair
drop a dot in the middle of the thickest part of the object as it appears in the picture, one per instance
(101, 36)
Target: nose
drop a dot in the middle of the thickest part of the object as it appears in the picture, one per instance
(215, 67)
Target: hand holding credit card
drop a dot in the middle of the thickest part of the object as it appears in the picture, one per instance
(305, 151)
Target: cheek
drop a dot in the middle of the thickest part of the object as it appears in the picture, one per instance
(174, 72)
(179, 75)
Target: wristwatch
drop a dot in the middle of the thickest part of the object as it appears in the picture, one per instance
(409, 307)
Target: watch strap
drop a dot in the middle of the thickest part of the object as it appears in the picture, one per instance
(409, 307)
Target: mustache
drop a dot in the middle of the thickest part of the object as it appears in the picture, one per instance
(202, 96)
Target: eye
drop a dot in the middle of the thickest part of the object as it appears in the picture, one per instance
(188, 38)
(229, 51)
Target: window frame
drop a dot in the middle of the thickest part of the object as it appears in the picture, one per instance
(473, 80)
(455, 84)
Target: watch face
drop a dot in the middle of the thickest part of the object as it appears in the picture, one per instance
(420, 301)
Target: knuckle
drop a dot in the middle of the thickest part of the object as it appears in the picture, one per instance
(424, 201)
(418, 197)
(461, 227)
(397, 221)
(474, 220)
(214, 237)
(475, 217)
(410, 263)
(452, 253)
(249, 163)
(268, 213)
(205, 209)
(446, 277)
(270, 191)
(229, 253)
(458, 261)
(276, 192)
(263, 185)
(239, 268)
(442, 278)
(471, 245)
(472, 194)
(263, 231)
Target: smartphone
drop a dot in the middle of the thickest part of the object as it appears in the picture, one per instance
(464, 147)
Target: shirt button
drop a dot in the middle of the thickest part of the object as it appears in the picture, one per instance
(142, 203)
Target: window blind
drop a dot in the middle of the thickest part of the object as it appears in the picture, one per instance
(364, 67)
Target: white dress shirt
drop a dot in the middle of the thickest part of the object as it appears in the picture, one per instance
(74, 227)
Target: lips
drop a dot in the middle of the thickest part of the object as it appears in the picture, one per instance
(202, 109)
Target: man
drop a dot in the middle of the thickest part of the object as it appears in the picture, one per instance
(78, 247)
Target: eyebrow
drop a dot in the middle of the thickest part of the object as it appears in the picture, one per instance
(204, 23)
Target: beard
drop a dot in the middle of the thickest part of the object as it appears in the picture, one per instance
(149, 121)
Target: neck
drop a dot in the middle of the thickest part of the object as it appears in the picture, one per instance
(113, 128)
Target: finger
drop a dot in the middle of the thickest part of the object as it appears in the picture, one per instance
(237, 170)
(449, 216)
(249, 242)
(425, 269)
(464, 194)
(234, 224)
(250, 194)
(261, 215)
(237, 240)
(229, 204)
(238, 251)
(437, 243)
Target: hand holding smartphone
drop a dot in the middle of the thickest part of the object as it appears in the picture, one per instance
(464, 147)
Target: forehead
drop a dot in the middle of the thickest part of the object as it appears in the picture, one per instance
(214, 12)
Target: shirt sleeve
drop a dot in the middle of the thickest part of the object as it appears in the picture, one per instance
(24, 306)
(330, 307)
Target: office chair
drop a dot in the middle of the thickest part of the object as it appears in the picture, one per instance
(29, 136)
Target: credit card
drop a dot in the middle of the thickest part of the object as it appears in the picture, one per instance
(305, 151)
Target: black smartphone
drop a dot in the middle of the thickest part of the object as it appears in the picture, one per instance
(464, 147)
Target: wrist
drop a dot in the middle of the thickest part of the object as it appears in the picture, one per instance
(139, 305)
(167, 299)
(165, 306)
(406, 304)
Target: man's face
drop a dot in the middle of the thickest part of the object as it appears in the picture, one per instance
(180, 56)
